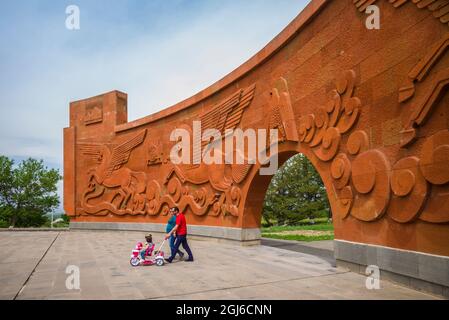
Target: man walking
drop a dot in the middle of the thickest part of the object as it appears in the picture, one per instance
(181, 235)
(170, 225)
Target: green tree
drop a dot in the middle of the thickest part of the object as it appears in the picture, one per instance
(28, 192)
(65, 218)
(296, 192)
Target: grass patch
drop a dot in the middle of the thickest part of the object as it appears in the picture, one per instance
(277, 232)
(314, 221)
(316, 227)
(297, 237)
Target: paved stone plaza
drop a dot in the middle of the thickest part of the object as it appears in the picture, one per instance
(33, 266)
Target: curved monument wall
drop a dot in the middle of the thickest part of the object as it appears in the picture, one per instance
(367, 107)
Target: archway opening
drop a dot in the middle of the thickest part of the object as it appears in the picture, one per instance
(296, 215)
(295, 205)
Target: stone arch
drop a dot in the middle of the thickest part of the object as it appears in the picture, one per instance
(258, 184)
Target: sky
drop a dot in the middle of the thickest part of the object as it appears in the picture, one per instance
(159, 52)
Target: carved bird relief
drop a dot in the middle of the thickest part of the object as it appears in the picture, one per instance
(224, 116)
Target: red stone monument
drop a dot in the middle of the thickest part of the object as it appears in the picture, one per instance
(369, 109)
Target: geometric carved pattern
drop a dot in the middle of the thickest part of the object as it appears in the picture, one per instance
(422, 68)
(403, 191)
(421, 185)
(437, 206)
(362, 186)
(281, 115)
(440, 10)
(410, 190)
(365, 185)
(433, 165)
(322, 130)
(341, 171)
(345, 199)
(435, 158)
(371, 180)
(422, 109)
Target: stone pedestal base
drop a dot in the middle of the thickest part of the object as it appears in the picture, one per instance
(420, 271)
(244, 236)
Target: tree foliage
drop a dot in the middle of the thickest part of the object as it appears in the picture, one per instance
(296, 193)
(28, 192)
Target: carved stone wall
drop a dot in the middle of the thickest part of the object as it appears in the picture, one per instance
(367, 107)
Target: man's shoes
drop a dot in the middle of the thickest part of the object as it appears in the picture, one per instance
(168, 260)
(189, 260)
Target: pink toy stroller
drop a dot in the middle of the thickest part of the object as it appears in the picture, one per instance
(149, 258)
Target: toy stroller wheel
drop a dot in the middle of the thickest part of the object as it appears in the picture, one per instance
(159, 262)
(134, 262)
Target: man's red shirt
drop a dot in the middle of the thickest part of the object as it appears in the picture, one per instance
(182, 225)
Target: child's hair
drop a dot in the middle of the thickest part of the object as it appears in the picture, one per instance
(149, 238)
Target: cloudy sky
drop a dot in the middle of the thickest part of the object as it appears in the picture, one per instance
(158, 51)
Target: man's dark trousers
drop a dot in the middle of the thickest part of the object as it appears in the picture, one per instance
(181, 240)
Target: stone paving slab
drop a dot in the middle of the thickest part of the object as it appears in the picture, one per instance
(20, 252)
(220, 271)
(323, 249)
